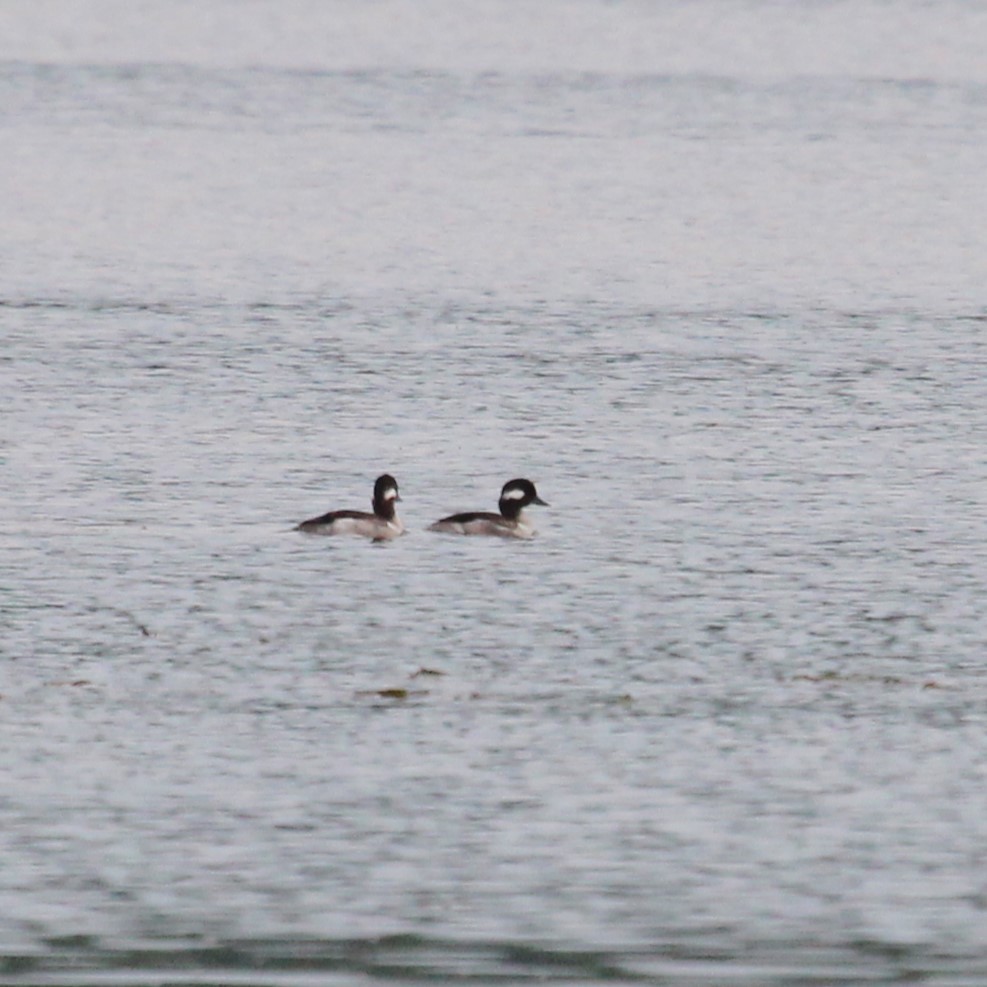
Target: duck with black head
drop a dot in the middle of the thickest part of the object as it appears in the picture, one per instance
(382, 525)
(511, 522)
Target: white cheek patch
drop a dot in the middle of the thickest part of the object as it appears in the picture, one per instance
(515, 493)
(391, 493)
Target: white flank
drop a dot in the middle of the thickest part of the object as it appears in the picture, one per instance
(347, 526)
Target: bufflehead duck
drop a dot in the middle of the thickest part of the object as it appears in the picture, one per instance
(382, 525)
(509, 523)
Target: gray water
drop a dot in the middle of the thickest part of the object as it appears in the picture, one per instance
(711, 274)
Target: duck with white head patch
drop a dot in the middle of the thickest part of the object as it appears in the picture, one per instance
(509, 523)
(383, 525)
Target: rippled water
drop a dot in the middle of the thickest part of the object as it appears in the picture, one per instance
(722, 721)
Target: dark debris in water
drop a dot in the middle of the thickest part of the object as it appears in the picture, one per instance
(864, 679)
(403, 692)
(394, 693)
(130, 618)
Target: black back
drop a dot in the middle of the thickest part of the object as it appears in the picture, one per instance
(473, 516)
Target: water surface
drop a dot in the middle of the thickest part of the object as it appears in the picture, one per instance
(722, 721)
